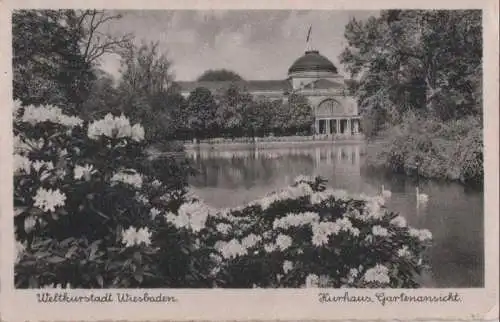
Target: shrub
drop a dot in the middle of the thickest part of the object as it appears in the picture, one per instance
(84, 196)
(451, 150)
(307, 235)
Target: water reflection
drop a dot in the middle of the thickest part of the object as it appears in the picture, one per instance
(454, 215)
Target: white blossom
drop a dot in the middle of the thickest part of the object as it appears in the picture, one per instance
(283, 241)
(353, 273)
(137, 133)
(48, 199)
(83, 172)
(38, 114)
(154, 212)
(134, 179)
(399, 221)
(156, 183)
(295, 220)
(380, 231)
(143, 236)
(39, 164)
(404, 252)
(379, 274)
(141, 198)
(179, 221)
(231, 249)
(115, 127)
(29, 224)
(197, 212)
(133, 236)
(20, 248)
(303, 178)
(312, 281)
(223, 228)
(321, 232)
(287, 266)
(21, 164)
(250, 240)
(421, 234)
(269, 248)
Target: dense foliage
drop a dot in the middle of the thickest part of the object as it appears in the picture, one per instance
(423, 65)
(92, 211)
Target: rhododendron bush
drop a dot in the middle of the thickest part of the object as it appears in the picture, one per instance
(92, 210)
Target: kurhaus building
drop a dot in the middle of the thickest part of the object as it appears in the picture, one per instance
(313, 76)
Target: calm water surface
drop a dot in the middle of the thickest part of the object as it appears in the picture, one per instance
(454, 213)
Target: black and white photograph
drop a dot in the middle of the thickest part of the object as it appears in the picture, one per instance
(248, 149)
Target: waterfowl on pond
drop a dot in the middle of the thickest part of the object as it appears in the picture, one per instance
(422, 198)
(386, 193)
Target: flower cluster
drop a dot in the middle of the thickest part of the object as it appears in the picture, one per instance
(380, 231)
(231, 249)
(130, 177)
(39, 114)
(422, 234)
(399, 221)
(320, 196)
(378, 274)
(133, 236)
(192, 215)
(115, 127)
(49, 199)
(322, 230)
(292, 192)
(83, 172)
(295, 220)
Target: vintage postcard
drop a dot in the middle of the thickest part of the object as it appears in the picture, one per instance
(249, 160)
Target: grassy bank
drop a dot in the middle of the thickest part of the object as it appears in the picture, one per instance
(437, 150)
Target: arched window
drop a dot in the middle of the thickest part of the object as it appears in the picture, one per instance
(329, 107)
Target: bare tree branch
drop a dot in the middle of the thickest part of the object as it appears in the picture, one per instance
(97, 43)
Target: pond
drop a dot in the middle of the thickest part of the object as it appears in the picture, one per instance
(454, 213)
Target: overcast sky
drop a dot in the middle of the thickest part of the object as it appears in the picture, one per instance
(255, 44)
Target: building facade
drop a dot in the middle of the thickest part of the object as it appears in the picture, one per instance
(313, 76)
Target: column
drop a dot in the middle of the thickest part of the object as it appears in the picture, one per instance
(356, 126)
(318, 157)
(349, 130)
(316, 130)
(338, 126)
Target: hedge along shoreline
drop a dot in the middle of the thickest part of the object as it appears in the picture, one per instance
(93, 211)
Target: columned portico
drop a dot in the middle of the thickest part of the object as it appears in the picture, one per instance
(338, 126)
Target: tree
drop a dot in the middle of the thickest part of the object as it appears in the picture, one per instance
(145, 69)
(145, 88)
(427, 62)
(105, 97)
(233, 111)
(94, 42)
(213, 75)
(49, 67)
(201, 113)
(301, 116)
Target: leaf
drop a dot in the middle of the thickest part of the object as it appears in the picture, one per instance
(93, 249)
(19, 210)
(139, 277)
(55, 259)
(138, 257)
(100, 280)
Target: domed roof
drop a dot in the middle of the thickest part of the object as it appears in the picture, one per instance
(312, 60)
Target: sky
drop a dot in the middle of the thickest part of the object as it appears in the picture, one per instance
(256, 44)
